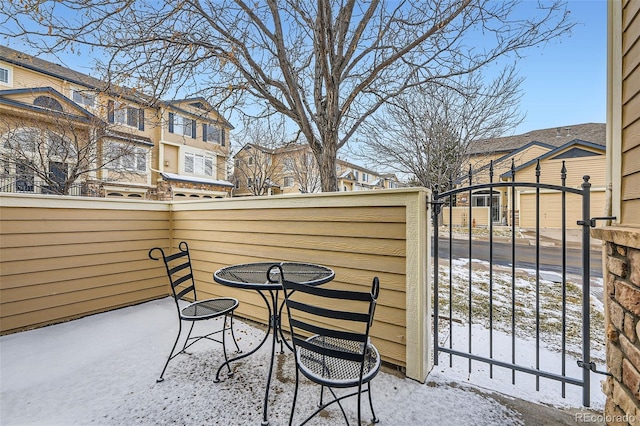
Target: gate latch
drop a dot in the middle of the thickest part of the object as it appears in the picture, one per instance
(592, 222)
(592, 366)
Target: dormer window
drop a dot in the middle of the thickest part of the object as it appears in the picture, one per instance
(83, 97)
(48, 102)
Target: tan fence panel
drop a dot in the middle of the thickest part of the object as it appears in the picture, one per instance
(359, 236)
(67, 257)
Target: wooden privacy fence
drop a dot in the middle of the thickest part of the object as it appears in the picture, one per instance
(66, 257)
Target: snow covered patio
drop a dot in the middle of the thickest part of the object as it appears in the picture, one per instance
(102, 369)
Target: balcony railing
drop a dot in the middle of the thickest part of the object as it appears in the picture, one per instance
(30, 185)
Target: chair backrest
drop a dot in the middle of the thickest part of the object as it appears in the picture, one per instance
(343, 315)
(178, 266)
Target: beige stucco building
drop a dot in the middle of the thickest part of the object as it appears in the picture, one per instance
(170, 149)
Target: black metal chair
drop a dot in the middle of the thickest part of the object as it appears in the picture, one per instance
(330, 333)
(180, 275)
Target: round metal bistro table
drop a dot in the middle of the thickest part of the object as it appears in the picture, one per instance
(254, 276)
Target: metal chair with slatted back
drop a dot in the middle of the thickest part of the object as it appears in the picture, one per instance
(180, 273)
(330, 333)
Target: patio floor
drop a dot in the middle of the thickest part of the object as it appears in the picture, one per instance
(102, 370)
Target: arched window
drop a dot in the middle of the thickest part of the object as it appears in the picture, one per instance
(48, 102)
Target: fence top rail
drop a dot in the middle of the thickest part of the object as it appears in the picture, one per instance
(493, 185)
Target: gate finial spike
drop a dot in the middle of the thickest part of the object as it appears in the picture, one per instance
(563, 173)
(470, 173)
(513, 170)
(538, 170)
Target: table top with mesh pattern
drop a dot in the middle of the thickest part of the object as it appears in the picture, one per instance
(254, 275)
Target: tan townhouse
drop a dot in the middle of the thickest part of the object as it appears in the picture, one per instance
(292, 169)
(117, 142)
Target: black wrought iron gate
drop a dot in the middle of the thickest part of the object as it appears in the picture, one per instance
(511, 189)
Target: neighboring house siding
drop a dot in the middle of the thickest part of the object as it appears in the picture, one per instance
(551, 209)
(630, 188)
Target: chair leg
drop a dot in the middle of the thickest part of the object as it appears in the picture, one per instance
(186, 341)
(161, 378)
(295, 397)
(373, 413)
(224, 343)
(233, 334)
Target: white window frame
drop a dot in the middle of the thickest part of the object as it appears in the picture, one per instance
(135, 161)
(121, 113)
(9, 72)
(288, 182)
(198, 163)
(84, 97)
(214, 134)
(182, 125)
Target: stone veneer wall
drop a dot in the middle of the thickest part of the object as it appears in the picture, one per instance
(622, 307)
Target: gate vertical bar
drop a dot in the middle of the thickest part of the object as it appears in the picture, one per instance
(470, 263)
(491, 267)
(586, 282)
(436, 255)
(538, 273)
(513, 269)
(563, 179)
(450, 271)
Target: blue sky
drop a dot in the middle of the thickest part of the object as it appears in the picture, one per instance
(565, 79)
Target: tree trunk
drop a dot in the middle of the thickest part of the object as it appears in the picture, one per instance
(327, 165)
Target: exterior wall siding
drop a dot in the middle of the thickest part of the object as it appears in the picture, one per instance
(630, 192)
(621, 259)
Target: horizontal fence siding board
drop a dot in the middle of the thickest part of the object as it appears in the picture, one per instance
(319, 214)
(44, 252)
(310, 242)
(78, 296)
(70, 238)
(380, 230)
(68, 312)
(33, 291)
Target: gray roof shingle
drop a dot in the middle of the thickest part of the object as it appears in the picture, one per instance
(555, 136)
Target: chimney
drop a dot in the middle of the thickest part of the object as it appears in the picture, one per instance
(568, 131)
(558, 132)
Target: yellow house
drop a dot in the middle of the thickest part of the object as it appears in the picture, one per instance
(581, 148)
(125, 144)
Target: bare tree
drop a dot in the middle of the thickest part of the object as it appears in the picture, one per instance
(304, 170)
(326, 65)
(56, 151)
(429, 131)
(256, 167)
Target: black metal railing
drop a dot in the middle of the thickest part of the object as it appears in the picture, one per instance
(29, 185)
(509, 187)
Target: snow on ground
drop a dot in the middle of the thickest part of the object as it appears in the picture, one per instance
(101, 370)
